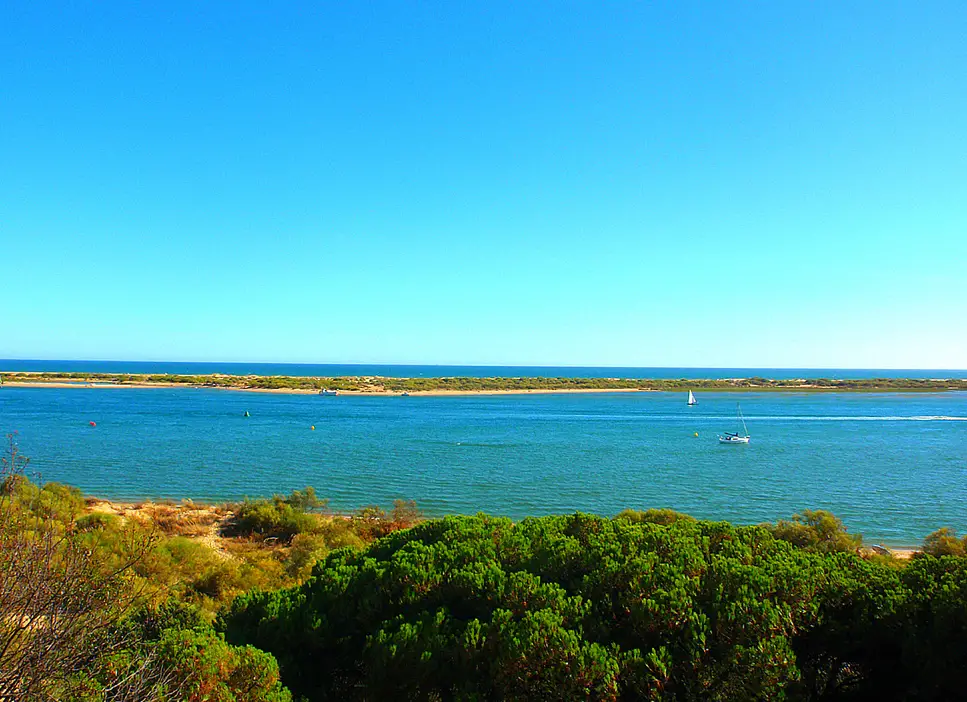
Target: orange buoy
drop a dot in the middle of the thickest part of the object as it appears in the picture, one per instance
(93, 424)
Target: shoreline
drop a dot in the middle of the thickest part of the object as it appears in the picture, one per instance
(373, 386)
(303, 391)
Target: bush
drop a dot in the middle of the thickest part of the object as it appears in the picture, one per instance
(817, 530)
(170, 652)
(306, 500)
(61, 596)
(98, 520)
(944, 542)
(653, 516)
(280, 517)
(405, 514)
(552, 608)
(340, 533)
(305, 551)
(581, 607)
(372, 522)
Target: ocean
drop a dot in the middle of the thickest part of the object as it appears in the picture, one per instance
(893, 466)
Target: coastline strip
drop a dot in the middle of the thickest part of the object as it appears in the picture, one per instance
(376, 385)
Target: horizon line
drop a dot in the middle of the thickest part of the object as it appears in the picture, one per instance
(477, 365)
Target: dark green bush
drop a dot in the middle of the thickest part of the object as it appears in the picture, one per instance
(581, 607)
(170, 652)
(552, 608)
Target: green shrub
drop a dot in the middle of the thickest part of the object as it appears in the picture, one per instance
(98, 520)
(944, 542)
(551, 608)
(60, 502)
(817, 530)
(219, 581)
(580, 607)
(340, 533)
(305, 500)
(653, 516)
(305, 551)
(170, 652)
(281, 517)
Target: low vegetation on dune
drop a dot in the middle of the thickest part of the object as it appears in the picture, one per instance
(273, 598)
(100, 601)
(371, 384)
(94, 607)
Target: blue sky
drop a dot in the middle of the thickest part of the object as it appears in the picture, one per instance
(679, 184)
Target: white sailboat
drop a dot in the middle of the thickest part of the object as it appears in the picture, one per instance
(691, 399)
(736, 437)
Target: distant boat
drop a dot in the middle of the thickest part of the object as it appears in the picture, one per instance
(328, 392)
(404, 394)
(691, 399)
(735, 437)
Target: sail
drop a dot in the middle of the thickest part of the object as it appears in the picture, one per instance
(691, 398)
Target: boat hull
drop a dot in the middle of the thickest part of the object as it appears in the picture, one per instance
(733, 439)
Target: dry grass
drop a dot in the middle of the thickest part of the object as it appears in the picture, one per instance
(185, 519)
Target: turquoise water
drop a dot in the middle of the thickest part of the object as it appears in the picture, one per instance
(893, 466)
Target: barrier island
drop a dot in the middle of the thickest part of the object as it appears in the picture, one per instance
(376, 385)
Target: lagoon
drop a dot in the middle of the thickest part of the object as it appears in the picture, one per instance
(892, 465)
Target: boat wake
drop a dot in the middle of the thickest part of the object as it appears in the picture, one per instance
(770, 418)
(887, 418)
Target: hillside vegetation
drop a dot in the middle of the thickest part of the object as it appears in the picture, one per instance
(585, 607)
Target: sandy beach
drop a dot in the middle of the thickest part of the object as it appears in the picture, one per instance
(300, 391)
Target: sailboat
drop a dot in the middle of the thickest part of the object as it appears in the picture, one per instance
(736, 437)
(691, 399)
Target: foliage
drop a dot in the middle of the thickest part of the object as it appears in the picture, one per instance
(944, 542)
(372, 522)
(581, 607)
(59, 600)
(69, 589)
(817, 530)
(279, 518)
(97, 520)
(653, 516)
(201, 666)
(551, 608)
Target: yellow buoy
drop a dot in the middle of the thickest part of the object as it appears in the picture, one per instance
(313, 427)
(696, 433)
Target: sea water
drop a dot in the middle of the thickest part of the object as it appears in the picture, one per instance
(893, 466)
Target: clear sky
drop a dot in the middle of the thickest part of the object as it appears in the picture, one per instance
(682, 184)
